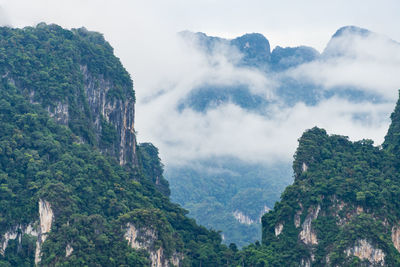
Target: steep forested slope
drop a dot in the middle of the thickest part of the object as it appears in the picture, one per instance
(75, 189)
(343, 208)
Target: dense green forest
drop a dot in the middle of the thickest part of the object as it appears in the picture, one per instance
(345, 194)
(216, 190)
(91, 195)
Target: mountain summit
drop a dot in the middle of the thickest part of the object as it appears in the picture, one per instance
(342, 209)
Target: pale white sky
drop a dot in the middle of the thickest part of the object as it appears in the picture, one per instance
(284, 22)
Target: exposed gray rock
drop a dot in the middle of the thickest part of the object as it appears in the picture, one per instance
(278, 229)
(145, 238)
(396, 236)
(46, 217)
(119, 113)
(17, 232)
(365, 251)
(307, 234)
(68, 250)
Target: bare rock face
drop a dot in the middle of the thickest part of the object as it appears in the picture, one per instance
(396, 237)
(39, 229)
(68, 250)
(297, 219)
(245, 219)
(119, 113)
(16, 233)
(365, 251)
(307, 234)
(145, 238)
(304, 167)
(242, 218)
(59, 112)
(46, 217)
(10, 235)
(305, 263)
(278, 229)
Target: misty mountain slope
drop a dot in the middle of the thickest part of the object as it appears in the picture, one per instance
(283, 65)
(76, 189)
(295, 89)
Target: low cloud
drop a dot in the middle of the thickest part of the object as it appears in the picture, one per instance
(165, 70)
(369, 62)
(231, 131)
(228, 130)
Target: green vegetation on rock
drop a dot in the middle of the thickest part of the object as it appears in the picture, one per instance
(343, 208)
(91, 196)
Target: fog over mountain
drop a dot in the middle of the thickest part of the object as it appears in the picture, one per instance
(353, 82)
(244, 97)
(144, 37)
(246, 106)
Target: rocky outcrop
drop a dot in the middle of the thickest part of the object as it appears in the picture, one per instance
(242, 218)
(307, 234)
(59, 112)
(118, 112)
(365, 251)
(41, 229)
(245, 219)
(304, 167)
(396, 237)
(278, 229)
(68, 250)
(16, 233)
(305, 263)
(297, 219)
(46, 217)
(145, 238)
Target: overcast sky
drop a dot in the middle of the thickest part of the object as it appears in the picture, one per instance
(288, 23)
(143, 34)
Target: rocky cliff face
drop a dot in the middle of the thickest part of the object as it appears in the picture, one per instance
(119, 113)
(307, 234)
(396, 236)
(38, 229)
(104, 111)
(46, 217)
(365, 251)
(94, 97)
(146, 238)
(338, 212)
(16, 233)
(242, 218)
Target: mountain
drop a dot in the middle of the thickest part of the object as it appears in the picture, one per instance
(228, 194)
(342, 209)
(253, 51)
(343, 41)
(286, 67)
(289, 57)
(76, 189)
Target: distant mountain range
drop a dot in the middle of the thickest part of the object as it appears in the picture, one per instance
(212, 198)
